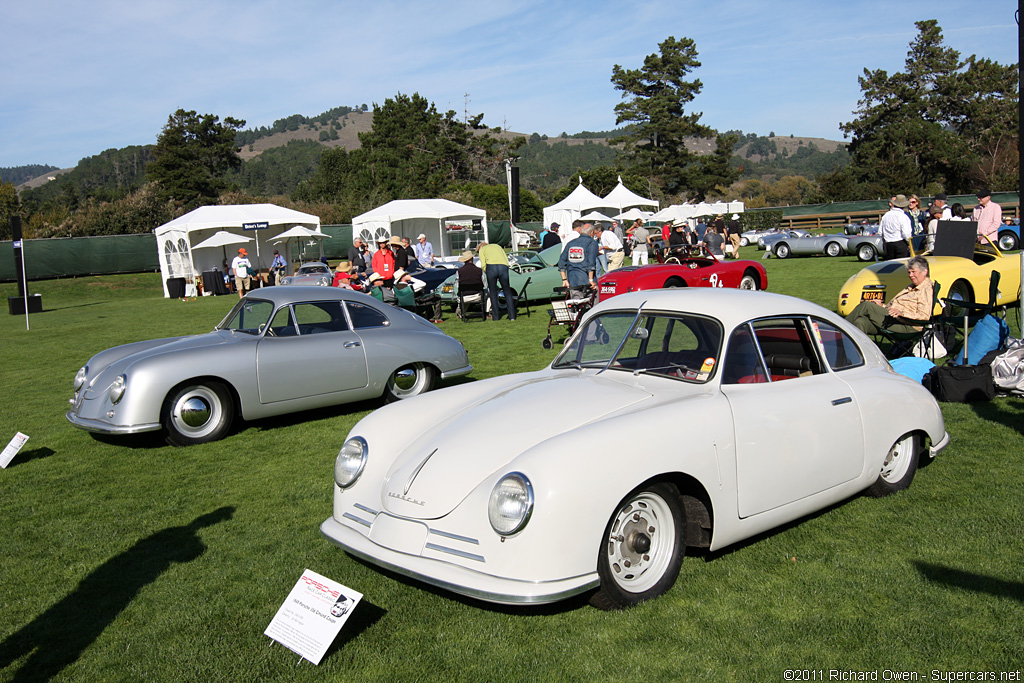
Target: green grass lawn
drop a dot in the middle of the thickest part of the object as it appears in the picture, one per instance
(126, 559)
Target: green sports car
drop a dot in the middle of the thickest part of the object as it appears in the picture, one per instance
(540, 268)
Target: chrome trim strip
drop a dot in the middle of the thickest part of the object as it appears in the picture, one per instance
(455, 537)
(841, 401)
(458, 372)
(938, 447)
(453, 551)
(357, 520)
(360, 506)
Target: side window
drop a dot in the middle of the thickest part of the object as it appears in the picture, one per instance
(840, 351)
(319, 317)
(743, 361)
(281, 325)
(788, 347)
(364, 316)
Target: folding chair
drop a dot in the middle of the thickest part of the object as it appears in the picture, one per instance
(471, 294)
(972, 312)
(518, 297)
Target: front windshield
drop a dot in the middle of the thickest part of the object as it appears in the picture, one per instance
(678, 345)
(248, 315)
(315, 269)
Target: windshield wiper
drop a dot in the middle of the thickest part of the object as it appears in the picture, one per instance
(622, 343)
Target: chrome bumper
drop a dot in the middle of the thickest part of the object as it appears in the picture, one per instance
(100, 427)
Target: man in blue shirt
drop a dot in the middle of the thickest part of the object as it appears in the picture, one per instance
(277, 267)
(578, 261)
(424, 251)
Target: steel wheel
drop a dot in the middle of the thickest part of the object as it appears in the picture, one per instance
(408, 381)
(1008, 241)
(782, 250)
(744, 241)
(833, 249)
(748, 282)
(198, 413)
(642, 548)
(898, 468)
(866, 252)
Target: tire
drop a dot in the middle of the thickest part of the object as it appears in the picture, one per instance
(1008, 241)
(833, 249)
(749, 282)
(782, 250)
(866, 252)
(898, 469)
(546, 344)
(642, 549)
(674, 284)
(198, 413)
(408, 381)
(744, 241)
(960, 291)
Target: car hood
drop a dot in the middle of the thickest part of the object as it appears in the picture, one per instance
(431, 477)
(119, 358)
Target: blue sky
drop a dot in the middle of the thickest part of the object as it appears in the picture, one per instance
(82, 77)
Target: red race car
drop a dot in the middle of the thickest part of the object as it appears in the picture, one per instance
(686, 266)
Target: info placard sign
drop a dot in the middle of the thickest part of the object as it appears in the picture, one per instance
(262, 225)
(12, 449)
(312, 615)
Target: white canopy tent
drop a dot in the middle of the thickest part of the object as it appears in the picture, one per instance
(633, 214)
(177, 239)
(621, 197)
(569, 209)
(596, 216)
(449, 226)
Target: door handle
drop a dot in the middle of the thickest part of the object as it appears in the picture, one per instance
(841, 401)
(351, 344)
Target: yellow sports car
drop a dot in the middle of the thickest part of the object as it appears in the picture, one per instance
(961, 278)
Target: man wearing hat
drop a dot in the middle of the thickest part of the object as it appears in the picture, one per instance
(240, 267)
(424, 251)
(383, 262)
(550, 237)
(941, 201)
(989, 216)
(734, 235)
(342, 275)
(277, 267)
(896, 229)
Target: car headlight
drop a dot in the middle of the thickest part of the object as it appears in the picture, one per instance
(511, 504)
(80, 377)
(325, 282)
(350, 461)
(117, 388)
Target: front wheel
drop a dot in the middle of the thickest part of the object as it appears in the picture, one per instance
(744, 241)
(408, 381)
(898, 468)
(642, 548)
(748, 282)
(960, 291)
(866, 252)
(833, 249)
(782, 250)
(198, 413)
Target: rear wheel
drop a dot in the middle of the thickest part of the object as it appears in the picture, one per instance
(744, 241)
(1008, 241)
(866, 252)
(782, 250)
(960, 291)
(833, 249)
(898, 468)
(408, 381)
(198, 413)
(642, 548)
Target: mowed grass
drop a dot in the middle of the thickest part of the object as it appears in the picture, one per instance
(126, 559)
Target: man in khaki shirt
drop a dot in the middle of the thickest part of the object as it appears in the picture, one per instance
(914, 302)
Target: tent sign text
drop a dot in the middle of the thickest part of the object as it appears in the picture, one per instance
(262, 225)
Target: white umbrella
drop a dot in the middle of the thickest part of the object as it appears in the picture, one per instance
(300, 233)
(222, 238)
(633, 214)
(596, 216)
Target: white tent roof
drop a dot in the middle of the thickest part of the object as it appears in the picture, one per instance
(622, 197)
(234, 216)
(579, 200)
(596, 216)
(411, 217)
(402, 209)
(675, 212)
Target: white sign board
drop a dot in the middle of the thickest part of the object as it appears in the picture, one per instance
(312, 615)
(12, 449)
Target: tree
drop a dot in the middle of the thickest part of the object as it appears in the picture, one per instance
(713, 173)
(8, 207)
(192, 155)
(655, 97)
(942, 123)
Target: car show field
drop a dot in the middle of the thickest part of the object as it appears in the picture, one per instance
(125, 558)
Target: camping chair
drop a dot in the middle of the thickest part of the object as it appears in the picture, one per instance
(517, 297)
(471, 294)
(901, 343)
(972, 312)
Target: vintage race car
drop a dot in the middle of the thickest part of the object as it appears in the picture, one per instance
(961, 279)
(786, 245)
(752, 236)
(279, 350)
(539, 267)
(765, 242)
(573, 502)
(312, 273)
(694, 267)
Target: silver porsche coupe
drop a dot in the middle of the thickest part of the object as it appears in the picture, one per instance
(279, 350)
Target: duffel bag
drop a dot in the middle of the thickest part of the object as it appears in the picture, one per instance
(961, 383)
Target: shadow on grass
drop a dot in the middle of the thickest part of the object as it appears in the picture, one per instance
(366, 614)
(57, 637)
(971, 581)
(1007, 411)
(27, 456)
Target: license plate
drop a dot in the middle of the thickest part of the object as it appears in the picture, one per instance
(607, 289)
(873, 296)
(447, 289)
